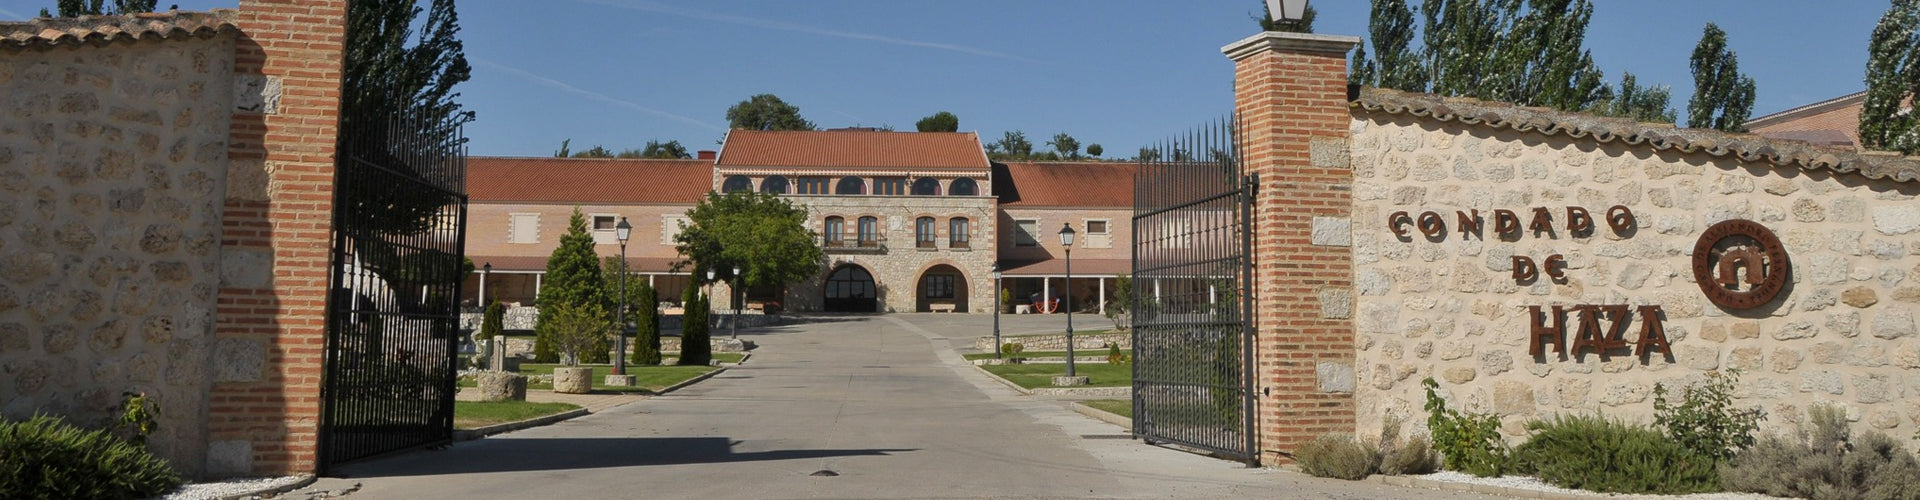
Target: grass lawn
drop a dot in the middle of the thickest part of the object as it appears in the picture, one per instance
(1121, 407)
(647, 378)
(476, 414)
(1076, 333)
(723, 357)
(1041, 354)
(1036, 375)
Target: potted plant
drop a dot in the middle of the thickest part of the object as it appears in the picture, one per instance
(1006, 301)
(576, 329)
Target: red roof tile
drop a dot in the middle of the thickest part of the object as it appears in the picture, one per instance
(1065, 184)
(584, 180)
(107, 29)
(852, 149)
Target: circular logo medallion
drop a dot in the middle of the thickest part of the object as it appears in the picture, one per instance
(1739, 264)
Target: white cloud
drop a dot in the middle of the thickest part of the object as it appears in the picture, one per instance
(593, 95)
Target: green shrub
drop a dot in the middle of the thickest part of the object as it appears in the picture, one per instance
(695, 348)
(1822, 462)
(139, 417)
(1115, 356)
(1595, 453)
(46, 458)
(1337, 456)
(1706, 421)
(1415, 456)
(1011, 350)
(1468, 442)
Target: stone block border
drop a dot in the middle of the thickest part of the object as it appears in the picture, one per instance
(1074, 393)
(1102, 416)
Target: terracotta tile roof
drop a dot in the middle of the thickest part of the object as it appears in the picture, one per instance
(1745, 147)
(108, 29)
(1064, 184)
(852, 149)
(1855, 99)
(583, 180)
(521, 263)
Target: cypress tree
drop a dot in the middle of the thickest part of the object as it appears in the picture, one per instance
(695, 348)
(1722, 97)
(646, 318)
(1892, 79)
(573, 278)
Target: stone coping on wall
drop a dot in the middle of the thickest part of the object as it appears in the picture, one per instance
(1600, 129)
(108, 29)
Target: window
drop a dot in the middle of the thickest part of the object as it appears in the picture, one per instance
(923, 232)
(926, 186)
(736, 183)
(813, 185)
(1096, 227)
(851, 185)
(604, 222)
(775, 184)
(603, 228)
(670, 227)
(869, 231)
(523, 228)
(964, 187)
(836, 230)
(939, 286)
(957, 235)
(890, 186)
(1026, 233)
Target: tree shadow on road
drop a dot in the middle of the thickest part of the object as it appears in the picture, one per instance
(538, 454)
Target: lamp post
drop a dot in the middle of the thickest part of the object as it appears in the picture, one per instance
(1287, 11)
(1066, 242)
(996, 311)
(621, 231)
(485, 269)
(734, 291)
(710, 320)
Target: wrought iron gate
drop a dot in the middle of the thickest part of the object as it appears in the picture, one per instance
(398, 258)
(1191, 287)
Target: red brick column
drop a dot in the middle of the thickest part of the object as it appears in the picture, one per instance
(270, 324)
(1290, 91)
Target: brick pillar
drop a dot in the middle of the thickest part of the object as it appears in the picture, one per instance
(270, 325)
(1290, 91)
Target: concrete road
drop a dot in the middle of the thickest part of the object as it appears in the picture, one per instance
(840, 407)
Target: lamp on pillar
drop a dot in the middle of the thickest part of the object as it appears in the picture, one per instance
(996, 311)
(1287, 11)
(621, 231)
(1066, 243)
(485, 269)
(708, 301)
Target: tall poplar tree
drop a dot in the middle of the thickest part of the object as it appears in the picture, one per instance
(1892, 80)
(1646, 104)
(1393, 65)
(1527, 52)
(1722, 96)
(573, 278)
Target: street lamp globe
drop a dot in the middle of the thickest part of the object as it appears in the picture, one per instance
(1066, 234)
(1287, 11)
(623, 230)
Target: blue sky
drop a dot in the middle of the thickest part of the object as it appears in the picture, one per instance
(1120, 73)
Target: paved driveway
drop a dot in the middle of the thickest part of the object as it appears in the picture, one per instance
(846, 407)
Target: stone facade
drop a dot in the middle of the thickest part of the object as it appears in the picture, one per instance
(113, 166)
(897, 264)
(1448, 306)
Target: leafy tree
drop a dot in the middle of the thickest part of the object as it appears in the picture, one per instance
(1304, 25)
(392, 79)
(1892, 79)
(577, 330)
(763, 235)
(573, 279)
(595, 152)
(1095, 150)
(1525, 52)
(564, 152)
(1722, 96)
(1148, 154)
(77, 8)
(1394, 65)
(665, 150)
(939, 122)
(1646, 104)
(1066, 145)
(696, 347)
(766, 112)
(1014, 144)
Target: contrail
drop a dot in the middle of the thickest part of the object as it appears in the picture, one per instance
(764, 23)
(593, 95)
(14, 15)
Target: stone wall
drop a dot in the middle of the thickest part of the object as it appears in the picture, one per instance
(1449, 307)
(898, 265)
(113, 164)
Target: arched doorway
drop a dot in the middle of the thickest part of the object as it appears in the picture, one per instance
(942, 288)
(850, 289)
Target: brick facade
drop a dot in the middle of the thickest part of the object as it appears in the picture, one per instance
(1290, 93)
(276, 234)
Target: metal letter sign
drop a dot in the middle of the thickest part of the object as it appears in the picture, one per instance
(1739, 264)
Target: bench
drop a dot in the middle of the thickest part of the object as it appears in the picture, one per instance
(941, 307)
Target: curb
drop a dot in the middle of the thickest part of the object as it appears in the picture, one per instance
(472, 434)
(305, 479)
(1102, 416)
(1085, 393)
(1486, 489)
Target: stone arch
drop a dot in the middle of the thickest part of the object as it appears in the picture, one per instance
(941, 282)
(850, 287)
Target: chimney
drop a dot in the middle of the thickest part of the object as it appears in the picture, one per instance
(707, 154)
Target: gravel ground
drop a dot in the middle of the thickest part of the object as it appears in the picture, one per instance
(221, 489)
(1528, 483)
